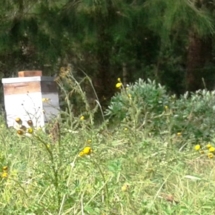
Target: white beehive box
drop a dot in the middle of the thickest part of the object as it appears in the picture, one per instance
(30, 98)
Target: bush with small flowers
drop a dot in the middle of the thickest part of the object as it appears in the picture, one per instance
(147, 104)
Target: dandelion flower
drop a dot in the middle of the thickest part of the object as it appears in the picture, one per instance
(210, 155)
(82, 118)
(197, 147)
(212, 149)
(119, 85)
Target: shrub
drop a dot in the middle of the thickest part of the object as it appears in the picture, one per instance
(146, 104)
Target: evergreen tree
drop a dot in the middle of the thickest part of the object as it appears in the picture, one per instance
(186, 24)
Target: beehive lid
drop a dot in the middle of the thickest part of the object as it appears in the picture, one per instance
(27, 76)
(26, 79)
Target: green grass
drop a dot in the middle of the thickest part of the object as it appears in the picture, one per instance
(128, 173)
(142, 162)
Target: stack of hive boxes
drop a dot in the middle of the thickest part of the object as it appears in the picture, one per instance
(30, 96)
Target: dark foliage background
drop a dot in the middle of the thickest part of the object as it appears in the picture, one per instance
(169, 41)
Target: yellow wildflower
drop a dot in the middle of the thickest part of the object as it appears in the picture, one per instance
(210, 155)
(89, 141)
(18, 120)
(208, 145)
(179, 134)
(119, 85)
(4, 174)
(86, 151)
(119, 79)
(212, 149)
(82, 118)
(30, 130)
(197, 147)
(125, 187)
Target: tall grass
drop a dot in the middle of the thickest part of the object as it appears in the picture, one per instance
(144, 163)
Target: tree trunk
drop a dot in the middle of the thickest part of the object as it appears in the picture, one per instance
(103, 80)
(199, 54)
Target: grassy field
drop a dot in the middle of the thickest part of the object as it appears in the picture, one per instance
(127, 172)
(121, 168)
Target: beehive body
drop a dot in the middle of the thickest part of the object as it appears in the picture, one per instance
(30, 98)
